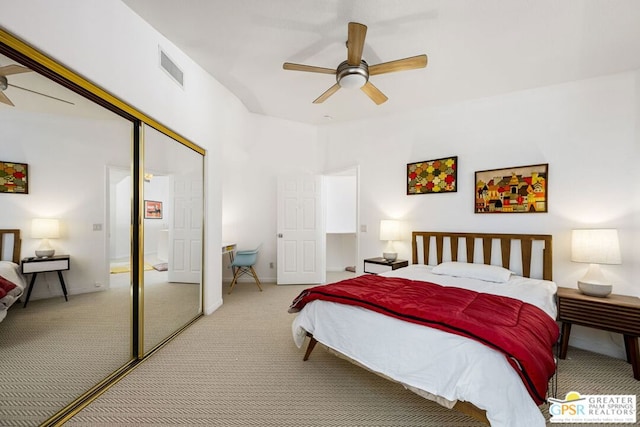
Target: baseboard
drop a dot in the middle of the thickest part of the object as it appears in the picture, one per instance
(213, 307)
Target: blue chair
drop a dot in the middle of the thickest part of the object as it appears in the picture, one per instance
(243, 263)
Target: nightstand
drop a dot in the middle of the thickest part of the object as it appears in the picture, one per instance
(381, 265)
(57, 263)
(615, 313)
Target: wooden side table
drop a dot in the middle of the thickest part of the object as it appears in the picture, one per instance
(57, 263)
(615, 313)
(381, 265)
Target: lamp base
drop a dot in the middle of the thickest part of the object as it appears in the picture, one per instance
(45, 253)
(594, 283)
(595, 289)
(390, 256)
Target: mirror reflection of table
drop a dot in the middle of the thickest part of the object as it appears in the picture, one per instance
(229, 248)
(33, 266)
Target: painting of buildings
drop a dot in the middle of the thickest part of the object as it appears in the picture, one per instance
(521, 189)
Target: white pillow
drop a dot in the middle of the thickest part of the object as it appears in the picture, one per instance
(488, 273)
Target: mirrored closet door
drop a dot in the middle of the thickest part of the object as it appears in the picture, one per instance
(173, 233)
(133, 272)
(78, 163)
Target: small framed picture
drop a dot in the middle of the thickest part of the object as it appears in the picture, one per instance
(520, 189)
(14, 178)
(152, 209)
(433, 176)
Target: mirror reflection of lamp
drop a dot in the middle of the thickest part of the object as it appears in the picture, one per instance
(389, 231)
(595, 246)
(45, 229)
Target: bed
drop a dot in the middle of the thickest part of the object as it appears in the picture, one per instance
(440, 363)
(12, 284)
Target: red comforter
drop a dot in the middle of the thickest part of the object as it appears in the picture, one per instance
(523, 332)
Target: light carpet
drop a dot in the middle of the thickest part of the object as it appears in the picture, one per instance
(53, 351)
(239, 367)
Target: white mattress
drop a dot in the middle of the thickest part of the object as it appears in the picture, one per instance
(429, 361)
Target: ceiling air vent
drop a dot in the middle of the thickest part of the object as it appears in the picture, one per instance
(171, 68)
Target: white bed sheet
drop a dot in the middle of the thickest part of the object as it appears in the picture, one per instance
(429, 360)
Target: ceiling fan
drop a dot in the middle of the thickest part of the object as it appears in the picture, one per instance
(355, 72)
(9, 70)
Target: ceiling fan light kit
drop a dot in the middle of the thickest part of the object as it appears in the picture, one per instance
(354, 72)
(352, 77)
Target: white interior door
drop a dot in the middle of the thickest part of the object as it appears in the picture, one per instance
(300, 247)
(185, 232)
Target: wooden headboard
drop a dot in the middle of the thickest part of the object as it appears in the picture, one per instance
(10, 239)
(421, 242)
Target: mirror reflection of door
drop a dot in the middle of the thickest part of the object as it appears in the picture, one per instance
(173, 236)
(52, 351)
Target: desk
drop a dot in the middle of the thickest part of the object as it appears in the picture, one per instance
(229, 248)
(57, 263)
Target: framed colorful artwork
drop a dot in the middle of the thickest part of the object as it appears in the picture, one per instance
(14, 178)
(521, 189)
(152, 209)
(433, 176)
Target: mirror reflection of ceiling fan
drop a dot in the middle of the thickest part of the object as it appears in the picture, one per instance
(9, 70)
(355, 72)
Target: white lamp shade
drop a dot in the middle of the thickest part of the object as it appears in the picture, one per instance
(45, 228)
(595, 246)
(389, 229)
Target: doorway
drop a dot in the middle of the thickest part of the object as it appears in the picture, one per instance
(341, 224)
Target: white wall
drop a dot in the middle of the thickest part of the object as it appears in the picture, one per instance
(340, 192)
(73, 192)
(252, 162)
(104, 41)
(586, 130)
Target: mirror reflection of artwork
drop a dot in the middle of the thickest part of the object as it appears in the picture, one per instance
(13, 178)
(152, 209)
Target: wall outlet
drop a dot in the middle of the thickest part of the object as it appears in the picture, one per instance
(363, 228)
(98, 284)
(270, 265)
(97, 227)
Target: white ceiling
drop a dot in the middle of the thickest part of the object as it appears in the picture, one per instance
(475, 48)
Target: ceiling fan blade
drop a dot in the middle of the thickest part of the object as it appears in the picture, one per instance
(5, 100)
(8, 70)
(42, 94)
(355, 42)
(309, 68)
(374, 93)
(411, 63)
(333, 89)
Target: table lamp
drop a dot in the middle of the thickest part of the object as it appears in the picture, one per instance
(45, 229)
(595, 246)
(389, 231)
